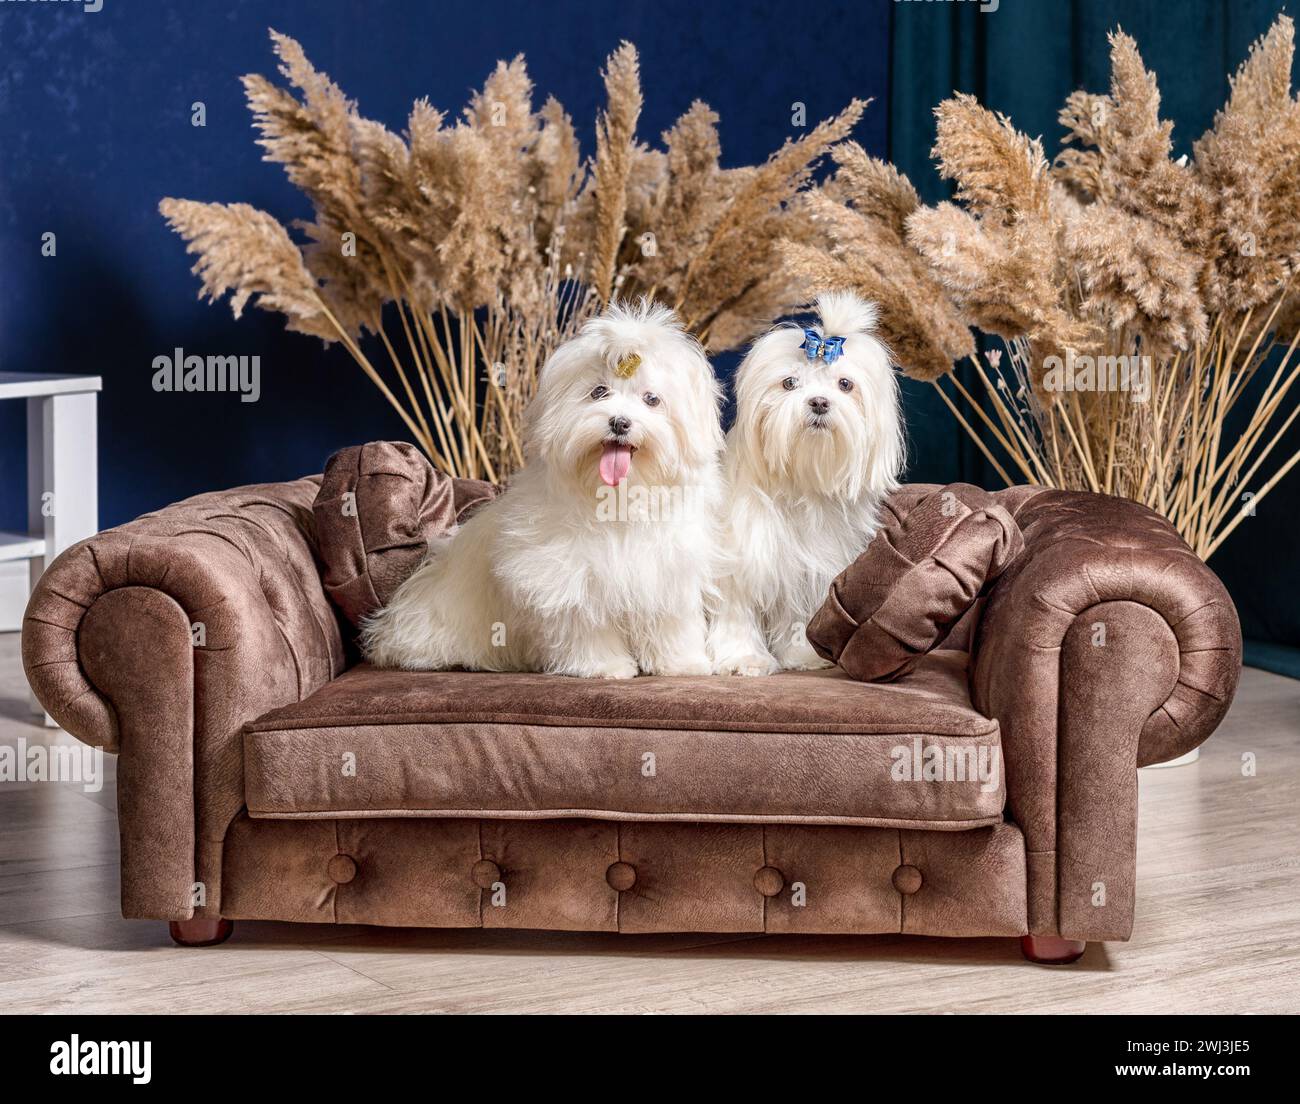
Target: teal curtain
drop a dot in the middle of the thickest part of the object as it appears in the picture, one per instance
(1023, 59)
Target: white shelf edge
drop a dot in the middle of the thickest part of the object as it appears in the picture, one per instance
(20, 546)
(35, 385)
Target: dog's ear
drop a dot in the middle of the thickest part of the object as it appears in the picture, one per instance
(742, 444)
(561, 374)
(888, 455)
(885, 457)
(701, 422)
(753, 377)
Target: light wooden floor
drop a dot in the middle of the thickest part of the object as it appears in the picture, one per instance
(1218, 923)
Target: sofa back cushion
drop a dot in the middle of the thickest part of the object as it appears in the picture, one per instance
(378, 507)
(921, 574)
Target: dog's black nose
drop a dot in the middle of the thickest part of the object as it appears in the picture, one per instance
(819, 404)
(620, 425)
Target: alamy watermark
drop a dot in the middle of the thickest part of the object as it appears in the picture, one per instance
(920, 762)
(1079, 372)
(178, 372)
(88, 6)
(57, 763)
(984, 5)
(90, 1057)
(645, 502)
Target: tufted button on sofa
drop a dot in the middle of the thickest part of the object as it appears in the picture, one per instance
(907, 879)
(485, 873)
(985, 792)
(341, 869)
(621, 876)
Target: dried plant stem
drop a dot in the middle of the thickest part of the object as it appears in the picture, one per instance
(1013, 426)
(1227, 471)
(425, 440)
(1015, 454)
(1063, 409)
(370, 371)
(979, 441)
(1168, 451)
(438, 407)
(397, 364)
(498, 395)
(1245, 510)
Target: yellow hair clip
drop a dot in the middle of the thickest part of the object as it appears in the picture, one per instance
(626, 368)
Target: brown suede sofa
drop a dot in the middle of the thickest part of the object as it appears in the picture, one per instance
(264, 772)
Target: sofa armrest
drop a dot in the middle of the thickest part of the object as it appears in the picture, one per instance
(1106, 646)
(159, 640)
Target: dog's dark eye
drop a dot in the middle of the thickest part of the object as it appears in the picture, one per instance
(599, 391)
(789, 383)
(846, 385)
(650, 399)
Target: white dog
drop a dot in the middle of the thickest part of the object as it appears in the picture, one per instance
(816, 446)
(595, 561)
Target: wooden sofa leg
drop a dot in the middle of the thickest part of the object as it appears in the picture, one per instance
(1051, 950)
(200, 933)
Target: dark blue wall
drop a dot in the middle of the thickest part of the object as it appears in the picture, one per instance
(95, 128)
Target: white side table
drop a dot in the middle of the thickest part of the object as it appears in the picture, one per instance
(62, 478)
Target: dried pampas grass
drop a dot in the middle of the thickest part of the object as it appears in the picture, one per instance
(1112, 258)
(615, 150)
(466, 250)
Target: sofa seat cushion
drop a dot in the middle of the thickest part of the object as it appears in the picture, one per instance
(799, 747)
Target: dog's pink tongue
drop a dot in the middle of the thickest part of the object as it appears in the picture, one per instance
(615, 463)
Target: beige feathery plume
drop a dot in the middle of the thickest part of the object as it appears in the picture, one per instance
(1250, 161)
(1135, 276)
(615, 142)
(1141, 178)
(503, 110)
(689, 198)
(1262, 84)
(413, 193)
(1088, 120)
(909, 324)
(488, 173)
(741, 244)
(1116, 254)
(472, 247)
(311, 139)
(348, 288)
(247, 253)
(1139, 137)
(875, 188)
(556, 171)
(503, 115)
(644, 182)
(976, 268)
(390, 200)
(999, 171)
(860, 216)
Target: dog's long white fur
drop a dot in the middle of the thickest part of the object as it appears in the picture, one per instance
(555, 576)
(802, 493)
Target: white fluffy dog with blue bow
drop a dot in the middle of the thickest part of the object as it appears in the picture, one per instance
(595, 560)
(816, 446)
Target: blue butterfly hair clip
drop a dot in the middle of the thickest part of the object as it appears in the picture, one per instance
(828, 348)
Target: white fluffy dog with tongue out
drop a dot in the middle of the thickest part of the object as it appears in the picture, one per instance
(816, 446)
(595, 560)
